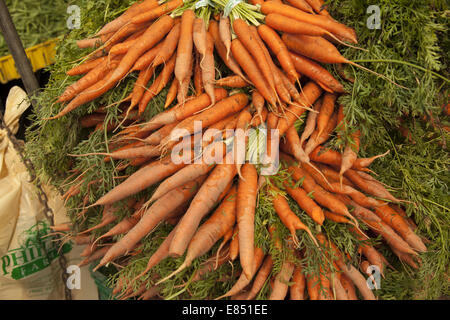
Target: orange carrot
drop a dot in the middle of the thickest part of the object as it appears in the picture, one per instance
(210, 232)
(234, 244)
(297, 290)
(172, 93)
(185, 45)
(198, 81)
(242, 30)
(341, 31)
(226, 56)
(281, 284)
(208, 68)
(350, 154)
(318, 139)
(278, 47)
(147, 58)
(85, 67)
(348, 287)
(155, 214)
(248, 64)
(245, 215)
(204, 200)
(302, 5)
(156, 12)
(169, 46)
(325, 112)
(306, 203)
(234, 81)
(261, 278)
(289, 218)
(225, 33)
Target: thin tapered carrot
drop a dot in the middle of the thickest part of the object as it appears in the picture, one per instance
(234, 244)
(338, 288)
(297, 290)
(338, 29)
(99, 253)
(210, 232)
(248, 64)
(184, 85)
(371, 254)
(243, 281)
(277, 46)
(318, 6)
(317, 73)
(141, 179)
(245, 216)
(208, 68)
(169, 46)
(399, 224)
(147, 58)
(85, 67)
(302, 5)
(132, 153)
(242, 30)
(123, 47)
(156, 12)
(140, 86)
(350, 154)
(325, 112)
(234, 81)
(309, 95)
(311, 122)
(91, 78)
(312, 285)
(155, 214)
(306, 203)
(406, 258)
(241, 138)
(289, 218)
(188, 109)
(198, 81)
(317, 139)
(281, 284)
(225, 33)
(204, 200)
(260, 278)
(349, 287)
(186, 174)
(258, 102)
(321, 196)
(336, 217)
(172, 93)
(160, 83)
(156, 137)
(199, 36)
(185, 45)
(219, 111)
(119, 22)
(89, 43)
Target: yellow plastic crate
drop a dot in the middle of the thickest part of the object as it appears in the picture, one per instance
(40, 56)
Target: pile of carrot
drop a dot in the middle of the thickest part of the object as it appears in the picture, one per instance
(279, 60)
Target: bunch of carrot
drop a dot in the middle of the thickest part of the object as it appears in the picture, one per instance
(279, 61)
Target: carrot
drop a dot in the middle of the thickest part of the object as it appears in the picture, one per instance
(321, 196)
(91, 78)
(89, 43)
(243, 281)
(155, 214)
(160, 254)
(336, 217)
(348, 287)
(318, 6)
(169, 46)
(123, 47)
(159, 84)
(172, 93)
(302, 5)
(185, 45)
(147, 58)
(317, 73)
(290, 219)
(198, 81)
(234, 244)
(372, 255)
(338, 29)
(350, 154)
(297, 290)
(245, 215)
(281, 286)
(188, 109)
(261, 278)
(406, 258)
(210, 232)
(338, 288)
(399, 224)
(184, 175)
(137, 152)
(92, 120)
(278, 47)
(225, 33)
(156, 137)
(311, 122)
(208, 68)
(234, 81)
(86, 66)
(119, 22)
(99, 253)
(184, 85)
(248, 64)
(359, 197)
(309, 95)
(258, 102)
(306, 203)
(204, 200)
(150, 293)
(157, 12)
(226, 56)
(325, 112)
(219, 111)
(242, 30)
(312, 285)
(141, 179)
(140, 86)
(318, 139)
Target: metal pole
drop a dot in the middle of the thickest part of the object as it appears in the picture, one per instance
(15, 46)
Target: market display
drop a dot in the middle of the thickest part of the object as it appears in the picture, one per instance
(291, 187)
